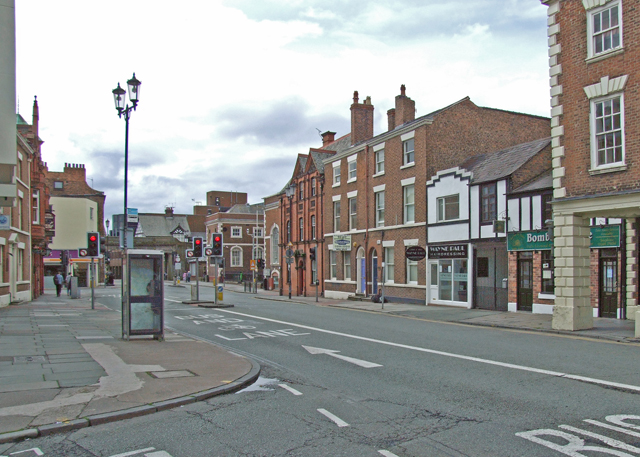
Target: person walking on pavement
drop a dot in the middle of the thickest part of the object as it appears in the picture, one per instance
(68, 284)
(58, 280)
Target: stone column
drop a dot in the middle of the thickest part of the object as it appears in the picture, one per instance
(572, 310)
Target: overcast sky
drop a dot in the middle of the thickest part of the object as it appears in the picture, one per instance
(233, 90)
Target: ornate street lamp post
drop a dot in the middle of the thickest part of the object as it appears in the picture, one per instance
(290, 191)
(124, 109)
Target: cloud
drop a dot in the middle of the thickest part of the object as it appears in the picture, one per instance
(283, 122)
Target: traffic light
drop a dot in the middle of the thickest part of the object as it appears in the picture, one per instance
(216, 244)
(93, 244)
(312, 254)
(197, 247)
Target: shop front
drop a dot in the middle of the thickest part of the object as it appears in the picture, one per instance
(448, 275)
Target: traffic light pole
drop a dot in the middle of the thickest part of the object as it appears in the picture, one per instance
(93, 284)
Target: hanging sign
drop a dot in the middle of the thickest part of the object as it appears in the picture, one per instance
(342, 242)
(415, 253)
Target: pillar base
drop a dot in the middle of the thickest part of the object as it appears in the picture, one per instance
(572, 318)
(632, 312)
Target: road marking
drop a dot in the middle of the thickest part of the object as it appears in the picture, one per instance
(139, 451)
(35, 450)
(571, 444)
(448, 354)
(387, 453)
(361, 363)
(339, 422)
(290, 389)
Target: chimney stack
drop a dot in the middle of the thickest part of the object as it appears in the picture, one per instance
(405, 108)
(361, 119)
(391, 118)
(328, 137)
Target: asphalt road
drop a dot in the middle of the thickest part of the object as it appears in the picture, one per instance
(343, 382)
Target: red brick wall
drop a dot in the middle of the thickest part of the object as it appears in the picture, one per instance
(577, 74)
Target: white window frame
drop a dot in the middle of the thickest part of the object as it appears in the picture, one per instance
(236, 256)
(336, 174)
(257, 232)
(313, 187)
(379, 159)
(58, 185)
(301, 229)
(313, 226)
(379, 202)
(275, 249)
(353, 171)
(441, 208)
(336, 216)
(20, 269)
(412, 265)
(234, 234)
(389, 264)
(408, 155)
(333, 262)
(35, 204)
(595, 165)
(353, 213)
(409, 206)
(346, 260)
(591, 33)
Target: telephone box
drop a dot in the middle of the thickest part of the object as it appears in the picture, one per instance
(144, 292)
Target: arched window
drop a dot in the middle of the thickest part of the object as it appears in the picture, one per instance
(236, 256)
(275, 249)
(288, 231)
(258, 252)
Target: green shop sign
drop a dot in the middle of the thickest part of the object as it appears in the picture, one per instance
(607, 236)
(539, 240)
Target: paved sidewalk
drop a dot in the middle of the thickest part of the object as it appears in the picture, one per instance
(64, 366)
(608, 329)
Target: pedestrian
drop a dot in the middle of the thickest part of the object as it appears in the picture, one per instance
(58, 280)
(184, 276)
(67, 281)
(188, 276)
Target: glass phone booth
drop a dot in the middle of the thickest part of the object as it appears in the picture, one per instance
(144, 290)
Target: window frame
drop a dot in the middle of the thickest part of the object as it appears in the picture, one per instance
(408, 156)
(238, 234)
(236, 251)
(441, 208)
(313, 187)
(379, 209)
(488, 216)
(336, 175)
(353, 171)
(275, 248)
(333, 264)
(595, 151)
(313, 226)
(592, 34)
(336, 216)
(411, 266)
(379, 159)
(353, 213)
(35, 205)
(389, 265)
(346, 262)
(301, 229)
(547, 286)
(406, 206)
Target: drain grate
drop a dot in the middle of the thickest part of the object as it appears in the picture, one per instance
(172, 374)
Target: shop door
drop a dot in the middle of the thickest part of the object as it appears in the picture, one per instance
(525, 284)
(609, 288)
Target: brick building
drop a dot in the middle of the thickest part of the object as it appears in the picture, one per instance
(375, 188)
(242, 228)
(41, 234)
(294, 220)
(595, 104)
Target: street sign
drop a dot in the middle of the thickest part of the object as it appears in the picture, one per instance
(208, 252)
(189, 253)
(289, 252)
(415, 253)
(253, 265)
(83, 253)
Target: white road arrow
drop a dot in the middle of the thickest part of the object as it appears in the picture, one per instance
(361, 363)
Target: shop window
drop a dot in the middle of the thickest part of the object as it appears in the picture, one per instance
(453, 280)
(488, 195)
(448, 208)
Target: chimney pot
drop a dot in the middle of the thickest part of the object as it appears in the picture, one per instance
(403, 89)
(355, 96)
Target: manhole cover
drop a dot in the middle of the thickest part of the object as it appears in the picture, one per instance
(171, 374)
(30, 359)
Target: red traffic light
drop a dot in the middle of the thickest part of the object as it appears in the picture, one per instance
(216, 239)
(198, 241)
(93, 238)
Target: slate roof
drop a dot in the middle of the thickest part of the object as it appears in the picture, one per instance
(160, 224)
(496, 165)
(542, 182)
